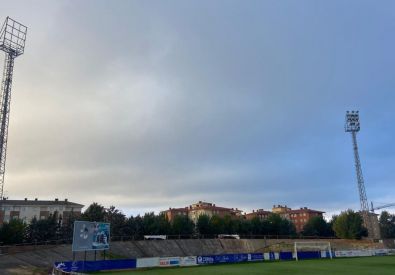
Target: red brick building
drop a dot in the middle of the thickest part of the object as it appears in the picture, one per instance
(260, 213)
(202, 208)
(301, 216)
(172, 212)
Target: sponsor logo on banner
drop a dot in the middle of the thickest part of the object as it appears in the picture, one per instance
(229, 258)
(93, 266)
(353, 253)
(381, 252)
(169, 261)
(205, 260)
(255, 257)
(188, 261)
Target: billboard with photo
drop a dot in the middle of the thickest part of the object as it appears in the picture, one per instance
(91, 236)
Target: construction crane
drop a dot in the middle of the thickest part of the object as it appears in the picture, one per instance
(12, 43)
(381, 207)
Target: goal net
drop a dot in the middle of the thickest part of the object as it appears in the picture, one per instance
(319, 247)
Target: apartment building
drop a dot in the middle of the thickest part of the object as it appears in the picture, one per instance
(299, 217)
(260, 214)
(195, 210)
(26, 210)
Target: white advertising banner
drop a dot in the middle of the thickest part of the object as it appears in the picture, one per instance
(147, 262)
(188, 261)
(169, 261)
(353, 253)
(381, 252)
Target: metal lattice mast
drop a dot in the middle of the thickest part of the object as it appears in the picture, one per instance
(353, 126)
(12, 42)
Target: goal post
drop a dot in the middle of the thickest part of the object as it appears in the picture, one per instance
(312, 246)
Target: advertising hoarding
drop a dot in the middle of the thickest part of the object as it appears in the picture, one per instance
(188, 261)
(89, 236)
(229, 258)
(169, 261)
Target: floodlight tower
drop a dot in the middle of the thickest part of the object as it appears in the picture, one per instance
(352, 125)
(12, 42)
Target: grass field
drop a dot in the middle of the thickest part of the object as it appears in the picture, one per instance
(347, 266)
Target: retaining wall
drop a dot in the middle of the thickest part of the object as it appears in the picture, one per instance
(45, 256)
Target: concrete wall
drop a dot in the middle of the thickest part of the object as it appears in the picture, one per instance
(26, 258)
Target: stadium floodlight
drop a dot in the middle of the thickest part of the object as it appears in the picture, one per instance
(353, 126)
(13, 37)
(352, 121)
(12, 42)
(319, 247)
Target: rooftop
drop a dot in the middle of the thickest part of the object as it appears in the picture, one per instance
(304, 210)
(39, 202)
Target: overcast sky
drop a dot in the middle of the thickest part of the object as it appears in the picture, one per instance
(147, 105)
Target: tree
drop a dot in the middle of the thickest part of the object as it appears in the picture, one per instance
(13, 232)
(182, 225)
(135, 226)
(280, 226)
(287, 228)
(117, 221)
(387, 225)
(164, 226)
(349, 225)
(94, 213)
(256, 226)
(203, 226)
(153, 225)
(317, 226)
(66, 230)
(243, 226)
(44, 230)
(217, 225)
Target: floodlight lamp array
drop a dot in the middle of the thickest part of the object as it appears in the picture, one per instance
(352, 121)
(13, 37)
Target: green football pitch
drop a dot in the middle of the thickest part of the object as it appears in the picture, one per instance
(348, 266)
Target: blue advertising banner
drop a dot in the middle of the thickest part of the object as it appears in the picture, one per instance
(229, 258)
(91, 236)
(309, 255)
(285, 256)
(90, 266)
